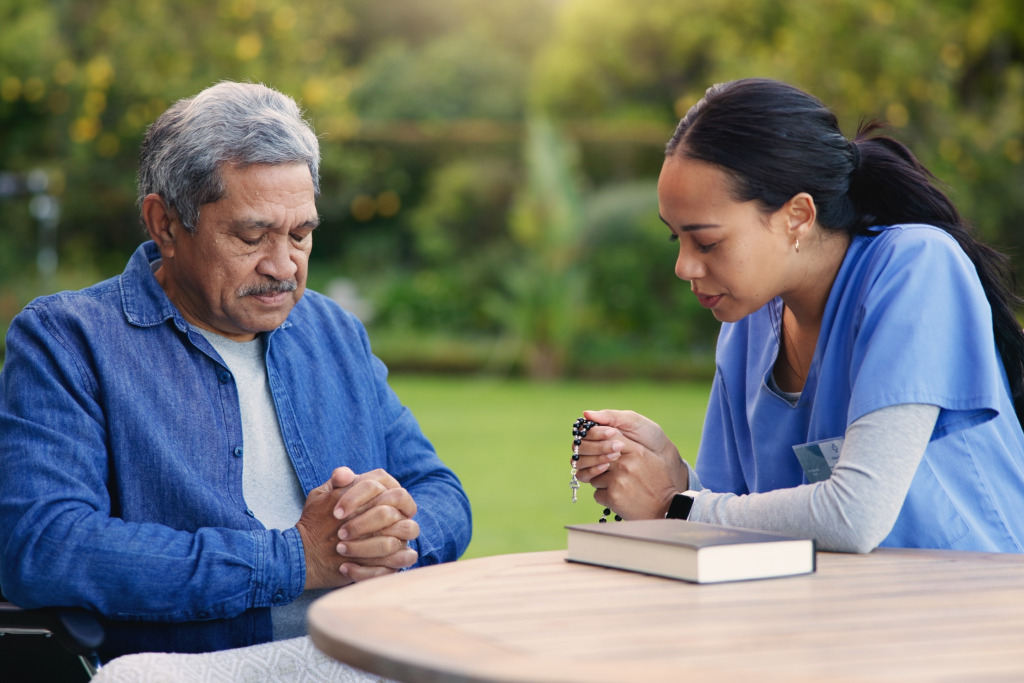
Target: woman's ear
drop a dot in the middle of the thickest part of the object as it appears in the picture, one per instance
(800, 214)
(159, 221)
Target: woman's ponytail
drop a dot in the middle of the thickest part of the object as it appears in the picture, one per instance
(890, 186)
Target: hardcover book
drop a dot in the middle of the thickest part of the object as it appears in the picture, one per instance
(691, 551)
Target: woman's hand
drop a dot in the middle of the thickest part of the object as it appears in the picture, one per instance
(633, 466)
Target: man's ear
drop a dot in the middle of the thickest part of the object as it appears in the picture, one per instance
(160, 223)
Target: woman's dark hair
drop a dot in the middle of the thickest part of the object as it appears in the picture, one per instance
(775, 141)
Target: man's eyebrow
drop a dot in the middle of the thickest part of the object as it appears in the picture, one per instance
(689, 228)
(251, 224)
(257, 224)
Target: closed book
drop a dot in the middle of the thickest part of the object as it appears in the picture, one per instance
(691, 551)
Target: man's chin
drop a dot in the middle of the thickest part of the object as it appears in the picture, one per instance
(266, 320)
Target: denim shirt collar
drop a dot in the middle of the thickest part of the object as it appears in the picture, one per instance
(143, 300)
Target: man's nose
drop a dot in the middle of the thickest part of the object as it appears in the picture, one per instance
(277, 261)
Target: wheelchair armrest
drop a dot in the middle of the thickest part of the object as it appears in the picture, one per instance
(77, 630)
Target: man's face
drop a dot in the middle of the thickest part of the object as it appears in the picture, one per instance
(245, 267)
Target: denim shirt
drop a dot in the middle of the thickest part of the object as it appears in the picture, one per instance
(121, 451)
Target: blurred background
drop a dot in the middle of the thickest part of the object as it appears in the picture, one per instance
(489, 167)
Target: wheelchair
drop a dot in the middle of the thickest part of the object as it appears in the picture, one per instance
(48, 644)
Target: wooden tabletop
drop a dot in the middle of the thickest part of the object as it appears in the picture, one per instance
(892, 615)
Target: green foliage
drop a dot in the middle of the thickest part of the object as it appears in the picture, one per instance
(462, 218)
(630, 264)
(948, 75)
(465, 209)
(460, 77)
(81, 81)
(546, 297)
(488, 168)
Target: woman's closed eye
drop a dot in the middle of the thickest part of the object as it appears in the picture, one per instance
(702, 248)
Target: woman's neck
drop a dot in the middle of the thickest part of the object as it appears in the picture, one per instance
(815, 269)
(804, 308)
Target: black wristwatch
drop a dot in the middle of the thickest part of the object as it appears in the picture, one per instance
(680, 506)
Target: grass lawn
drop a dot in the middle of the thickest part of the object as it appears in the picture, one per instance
(510, 443)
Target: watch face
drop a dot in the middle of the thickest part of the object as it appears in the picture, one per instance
(680, 506)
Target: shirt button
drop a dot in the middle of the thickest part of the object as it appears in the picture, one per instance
(238, 451)
(250, 513)
(278, 598)
(224, 376)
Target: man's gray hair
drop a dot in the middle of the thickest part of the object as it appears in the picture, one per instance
(237, 123)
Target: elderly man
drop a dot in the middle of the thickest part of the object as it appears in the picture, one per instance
(196, 448)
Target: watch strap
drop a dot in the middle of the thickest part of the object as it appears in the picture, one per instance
(680, 506)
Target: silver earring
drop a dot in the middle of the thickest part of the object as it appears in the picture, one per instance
(797, 246)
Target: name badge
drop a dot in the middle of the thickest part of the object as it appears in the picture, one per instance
(819, 458)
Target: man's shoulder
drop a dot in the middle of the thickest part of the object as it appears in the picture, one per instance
(89, 301)
(320, 309)
(70, 322)
(317, 316)
(319, 327)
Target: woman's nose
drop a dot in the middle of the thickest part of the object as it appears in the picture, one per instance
(688, 266)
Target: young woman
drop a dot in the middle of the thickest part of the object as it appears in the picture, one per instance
(869, 373)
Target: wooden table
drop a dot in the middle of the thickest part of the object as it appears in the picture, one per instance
(895, 615)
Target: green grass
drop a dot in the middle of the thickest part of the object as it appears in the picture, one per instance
(510, 442)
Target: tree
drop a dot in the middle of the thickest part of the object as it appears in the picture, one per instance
(947, 75)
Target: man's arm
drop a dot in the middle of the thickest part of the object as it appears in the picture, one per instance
(442, 507)
(443, 510)
(61, 536)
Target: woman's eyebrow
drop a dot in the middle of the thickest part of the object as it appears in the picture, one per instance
(689, 228)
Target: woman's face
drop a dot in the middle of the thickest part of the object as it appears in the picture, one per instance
(732, 253)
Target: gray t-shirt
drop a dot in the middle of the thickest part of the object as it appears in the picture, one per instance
(269, 484)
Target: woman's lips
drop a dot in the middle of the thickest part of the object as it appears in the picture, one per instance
(708, 300)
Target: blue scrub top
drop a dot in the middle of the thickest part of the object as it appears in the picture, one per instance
(907, 321)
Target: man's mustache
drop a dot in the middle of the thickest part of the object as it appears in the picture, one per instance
(268, 287)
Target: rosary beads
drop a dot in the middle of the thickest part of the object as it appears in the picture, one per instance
(604, 516)
(579, 432)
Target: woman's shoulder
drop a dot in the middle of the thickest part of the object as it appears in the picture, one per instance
(907, 237)
(913, 269)
(895, 247)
